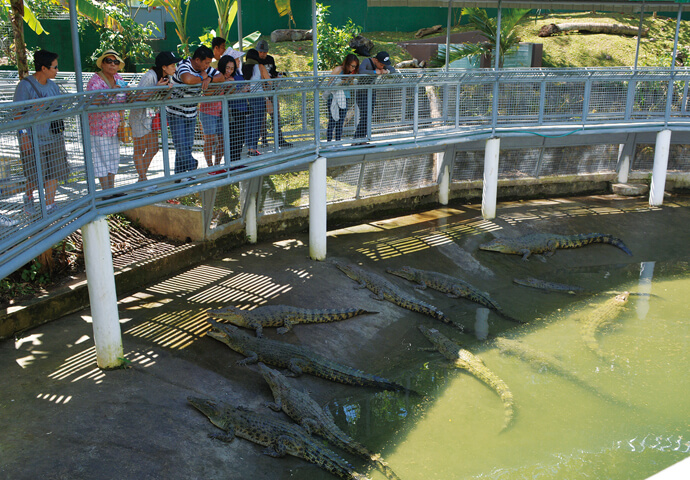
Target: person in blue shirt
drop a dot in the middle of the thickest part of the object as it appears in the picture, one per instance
(50, 139)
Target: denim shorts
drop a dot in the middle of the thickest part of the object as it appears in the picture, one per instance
(211, 124)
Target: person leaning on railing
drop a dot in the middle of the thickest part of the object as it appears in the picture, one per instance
(378, 65)
(336, 100)
(144, 132)
(49, 136)
(236, 108)
(105, 144)
(194, 70)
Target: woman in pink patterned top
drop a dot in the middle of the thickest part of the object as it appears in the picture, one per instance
(105, 145)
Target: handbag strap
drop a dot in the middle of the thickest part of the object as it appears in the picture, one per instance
(25, 79)
(107, 82)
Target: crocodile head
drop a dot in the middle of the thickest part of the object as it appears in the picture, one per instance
(497, 245)
(216, 413)
(404, 272)
(274, 378)
(223, 332)
(226, 313)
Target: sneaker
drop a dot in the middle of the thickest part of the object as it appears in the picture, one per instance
(7, 221)
(285, 144)
(217, 172)
(29, 208)
(253, 152)
(149, 188)
(50, 209)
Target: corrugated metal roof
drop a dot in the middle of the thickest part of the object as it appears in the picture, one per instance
(628, 6)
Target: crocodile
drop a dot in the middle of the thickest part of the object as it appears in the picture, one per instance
(452, 286)
(279, 437)
(570, 289)
(549, 286)
(282, 316)
(295, 358)
(468, 361)
(542, 360)
(547, 243)
(299, 406)
(602, 316)
(382, 289)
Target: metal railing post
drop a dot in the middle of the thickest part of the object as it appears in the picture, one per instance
(165, 141)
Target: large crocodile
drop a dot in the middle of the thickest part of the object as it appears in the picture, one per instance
(468, 361)
(279, 437)
(547, 243)
(295, 358)
(282, 316)
(603, 315)
(540, 360)
(382, 289)
(452, 286)
(565, 288)
(299, 406)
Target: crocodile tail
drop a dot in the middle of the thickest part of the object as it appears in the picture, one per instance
(508, 406)
(337, 437)
(588, 238)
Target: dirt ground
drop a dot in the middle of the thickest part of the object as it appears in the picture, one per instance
(63, 418)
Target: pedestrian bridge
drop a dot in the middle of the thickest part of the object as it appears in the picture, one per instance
(427, 129)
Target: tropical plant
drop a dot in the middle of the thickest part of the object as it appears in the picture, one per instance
(130, 43)
(178, 10)
(284, 8)
(479, 19)
(333, 43)
(227, 11)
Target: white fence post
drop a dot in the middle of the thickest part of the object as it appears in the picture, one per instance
(658, 183)
(102, 296)
(250, 219)
(443, 175)
(623, 164)
(491, 152)
(317, 209)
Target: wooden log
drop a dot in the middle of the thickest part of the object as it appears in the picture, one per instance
(408, 64)
(607, 28)
(290, 35)
(423, 32)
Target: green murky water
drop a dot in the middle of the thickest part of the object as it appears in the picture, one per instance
(561, 430)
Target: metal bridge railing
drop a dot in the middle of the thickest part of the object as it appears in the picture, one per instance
(394, 111)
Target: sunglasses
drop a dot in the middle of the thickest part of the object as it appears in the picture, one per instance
(55, 67)
(353, 65)
(114, 61)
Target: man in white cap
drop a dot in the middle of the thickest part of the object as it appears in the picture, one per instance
(378, 65)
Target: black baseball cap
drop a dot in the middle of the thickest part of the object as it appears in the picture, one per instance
(262, 46)
(383, 58)
(166, 58)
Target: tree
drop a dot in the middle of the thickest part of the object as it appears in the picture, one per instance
(479, 19)
(19, 12)
(178, 10)
(333, 42)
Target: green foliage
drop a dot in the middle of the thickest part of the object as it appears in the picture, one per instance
(333, 42)
(479, 20)
(178, 10)
(131, 43)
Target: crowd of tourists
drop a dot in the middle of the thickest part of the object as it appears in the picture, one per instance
(217, 64)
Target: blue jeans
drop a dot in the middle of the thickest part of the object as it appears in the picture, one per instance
(364, 127)
(255, 119)
(333, 124)
(182, 132)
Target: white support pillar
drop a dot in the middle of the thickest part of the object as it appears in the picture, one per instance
(444, 186)
(623, 164)
(658, 183)
(317, 209)
(102, 296)
(491, 152)
(644, 285)
(250, 219)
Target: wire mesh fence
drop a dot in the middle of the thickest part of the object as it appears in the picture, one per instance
(678, 158)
